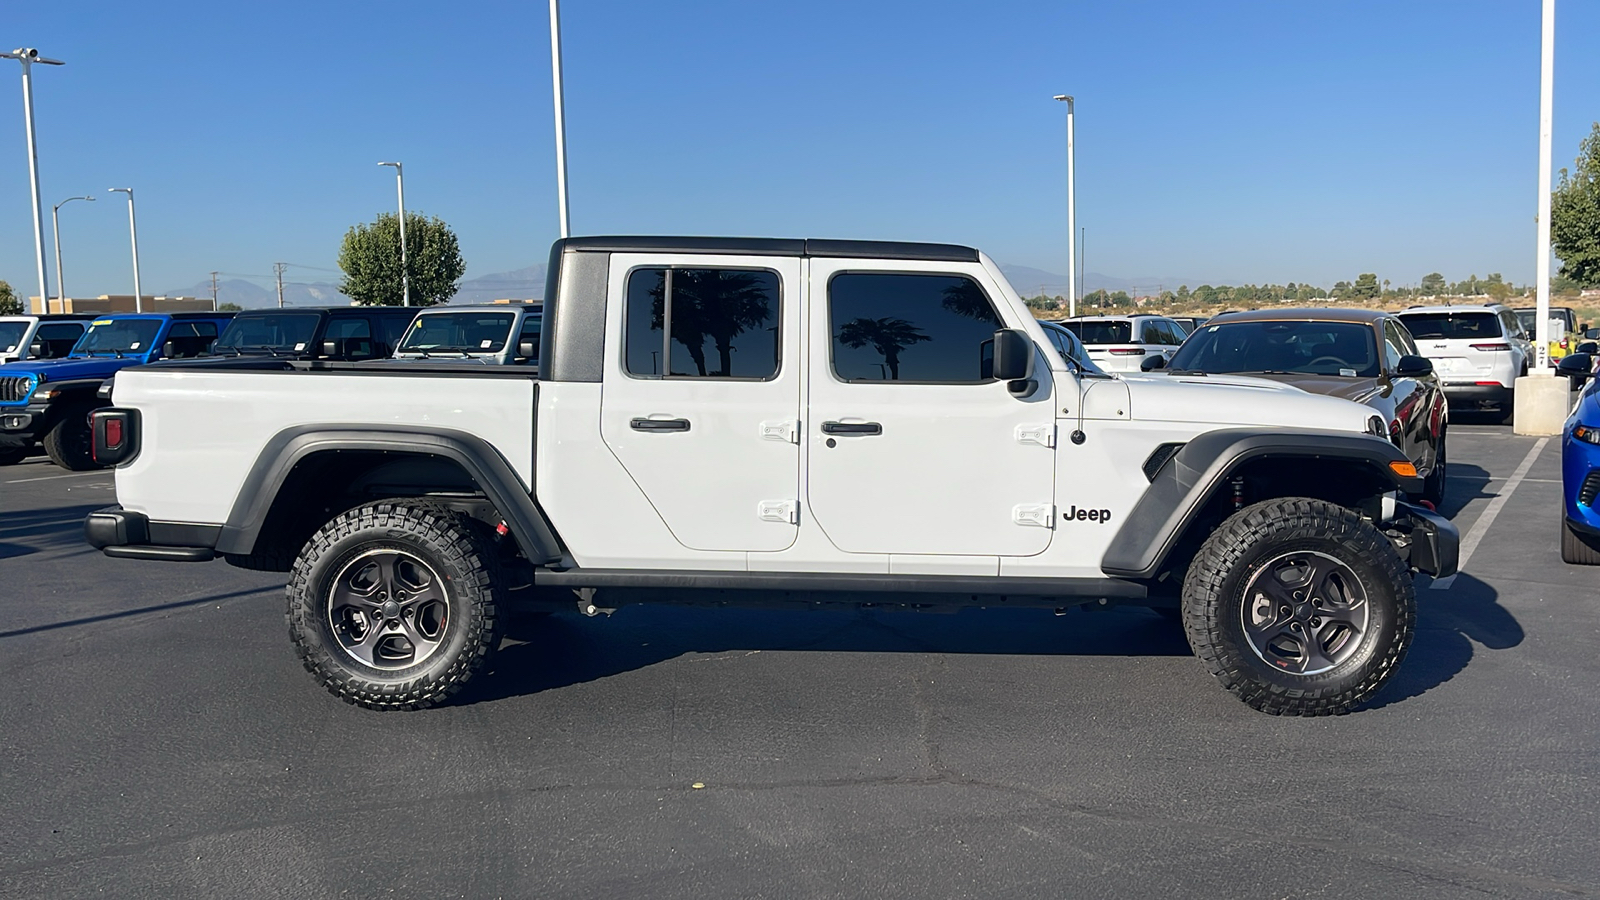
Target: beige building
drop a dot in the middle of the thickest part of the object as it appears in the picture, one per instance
(120, 303)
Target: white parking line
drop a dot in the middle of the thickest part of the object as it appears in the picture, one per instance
(1481, 527)
(54, 477)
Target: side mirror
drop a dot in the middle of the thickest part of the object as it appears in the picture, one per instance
(1576, 366)
(167, 350)
(38, 350)
(1413, 367)
(331, 348)
(528, 350)
(1013, 354)
(1152, 363)
(1589, 347)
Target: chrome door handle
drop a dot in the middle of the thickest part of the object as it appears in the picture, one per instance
(659, 424)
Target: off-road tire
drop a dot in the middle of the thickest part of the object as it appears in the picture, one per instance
(455, 546)
(1579, 549)
(1213, 605)
(1433, 485)
(69, 443)
(13, 456)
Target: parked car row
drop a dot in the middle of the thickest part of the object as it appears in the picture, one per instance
(62, 368)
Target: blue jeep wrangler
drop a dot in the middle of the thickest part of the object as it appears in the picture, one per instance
(49, 401)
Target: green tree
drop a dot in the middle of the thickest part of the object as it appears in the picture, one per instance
(888, 336)
(1183, 293)
(1575, 214)
(370, 258)
(1366, 286)
(1432, 284)
(10, 304)
(229, 307)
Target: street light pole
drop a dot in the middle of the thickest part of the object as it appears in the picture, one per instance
(1072, 216)
(561, 114)
(133, 231)
(405, 269)
(28, 56)
(1547, 53)
(55, 223)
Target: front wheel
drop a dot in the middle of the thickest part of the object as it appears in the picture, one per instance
(1433, 485)
(1579, 549)
(69, 443)
(1299, 607)
(394, 605)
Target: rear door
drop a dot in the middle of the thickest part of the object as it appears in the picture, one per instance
(913, 446)
(701, 402)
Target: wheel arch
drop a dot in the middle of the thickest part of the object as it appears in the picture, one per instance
(299, 465)
(1193, 491)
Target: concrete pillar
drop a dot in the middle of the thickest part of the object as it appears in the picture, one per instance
(1542, 403)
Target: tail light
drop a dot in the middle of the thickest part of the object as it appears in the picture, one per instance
(116, 435)
(1127, 351)
(1490, 346)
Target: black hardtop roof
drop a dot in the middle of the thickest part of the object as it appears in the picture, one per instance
(773, 247)
(331, 310)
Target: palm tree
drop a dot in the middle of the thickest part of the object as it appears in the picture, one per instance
(888, 336)
(715, 303)
(964, 298)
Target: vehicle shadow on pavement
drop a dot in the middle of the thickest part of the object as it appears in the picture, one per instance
(1448, 624)
(40, 528)
(568, 649)
(127, 613)
(1466, 484)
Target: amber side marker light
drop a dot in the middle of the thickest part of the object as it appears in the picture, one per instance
(1404, 469)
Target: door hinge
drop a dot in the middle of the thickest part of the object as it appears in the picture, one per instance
(1043, 435)
(788, 431)
(1038, 515)
(785, 511)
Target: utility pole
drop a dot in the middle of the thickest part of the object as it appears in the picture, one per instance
(1073, 291)
(213, 292)
(278, 268)
(28, 56)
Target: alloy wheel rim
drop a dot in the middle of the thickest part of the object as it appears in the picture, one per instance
(1305, 612)
(388, 609)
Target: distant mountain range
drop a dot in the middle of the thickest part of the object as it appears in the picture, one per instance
(528, 284)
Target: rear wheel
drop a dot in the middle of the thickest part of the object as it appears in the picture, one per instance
(1299, 607)
(1433, 486)
(1577, 548)
(70, 443)
(395, 604)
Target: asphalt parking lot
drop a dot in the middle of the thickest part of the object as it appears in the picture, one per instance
(160, 739)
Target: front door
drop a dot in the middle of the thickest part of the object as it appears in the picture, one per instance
(701, 402)
(913, 446)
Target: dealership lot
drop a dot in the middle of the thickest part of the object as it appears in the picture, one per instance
(161, 739)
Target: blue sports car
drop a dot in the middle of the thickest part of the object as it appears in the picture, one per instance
(1580, 480)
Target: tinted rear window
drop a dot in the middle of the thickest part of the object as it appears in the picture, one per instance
(1101, 332)
(1451, 326)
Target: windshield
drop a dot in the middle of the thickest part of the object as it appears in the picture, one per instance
(1452, 326)
(11, 336)
(1067, 345)
(463, 332)
(109, 337)
(290, 332)
(1101, 332)
(1345, 349)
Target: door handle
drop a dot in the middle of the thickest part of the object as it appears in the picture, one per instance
(851, 428)
(659, 424)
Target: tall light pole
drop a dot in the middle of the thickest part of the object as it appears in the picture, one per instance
(133, 230)
(28, 56)
(1547, 54)
(561, 113)
(1072, 216)
(55, 224)
(405, 272)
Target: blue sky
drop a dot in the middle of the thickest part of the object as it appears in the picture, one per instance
(1217, 141)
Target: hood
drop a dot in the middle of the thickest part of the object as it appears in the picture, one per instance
(1359, 390)
(1239, 400)
(71, 368)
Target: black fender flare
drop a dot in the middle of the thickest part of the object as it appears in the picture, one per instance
(481, 461)
(1184, 485)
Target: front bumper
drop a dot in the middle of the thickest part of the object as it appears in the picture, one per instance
(125, 534)
(1580, 462)
(23, 425)
(1427, 541)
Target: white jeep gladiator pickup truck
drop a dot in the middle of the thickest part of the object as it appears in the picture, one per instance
(726, 420)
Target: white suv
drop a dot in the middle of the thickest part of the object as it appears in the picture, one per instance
(1478, 351)
(1122, 343)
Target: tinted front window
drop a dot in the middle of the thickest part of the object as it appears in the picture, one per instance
(1101, 332)
(463, 332)
(904, 327)
(1313, 348)
(278, 331)
(1452, 326)
(11, 336)
(113, 336)
(723, 323)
